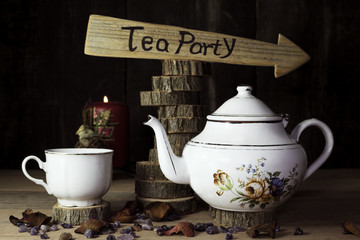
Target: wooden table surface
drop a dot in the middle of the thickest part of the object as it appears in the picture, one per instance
(320, 206)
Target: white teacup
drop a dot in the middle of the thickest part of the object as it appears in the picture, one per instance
(75, 176)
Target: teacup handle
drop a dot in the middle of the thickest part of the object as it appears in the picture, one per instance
(41, 166)
(329, 142)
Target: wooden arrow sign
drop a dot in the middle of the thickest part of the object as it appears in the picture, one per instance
(113, 37)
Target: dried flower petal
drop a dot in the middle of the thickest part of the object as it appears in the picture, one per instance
(185, 228)
(349, 227)
(94, 224)
(31, 218)
(127, 213)
(158, 211)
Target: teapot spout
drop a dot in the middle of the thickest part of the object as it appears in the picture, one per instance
(173, 167)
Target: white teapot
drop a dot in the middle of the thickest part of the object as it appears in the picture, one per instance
(243, 160)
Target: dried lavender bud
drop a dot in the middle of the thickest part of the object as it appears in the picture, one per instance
(66, 225)
(277, 228)
(116, 224)
(43, 235)
(160, 232)
(223, 229)
(208, 225)
(110, 237)
(147, 227)
(125, 237)
(199, 227)
(34, 230)
(212, 230)
(228, 236)
(298, 231)
(165, 228)
(89, 233)
(44, 228)
(126, 230)
(23, 228)
(54, 227)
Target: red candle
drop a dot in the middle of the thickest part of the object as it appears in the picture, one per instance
(111, 121)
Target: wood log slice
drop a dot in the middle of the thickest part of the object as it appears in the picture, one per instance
(241, 219)
(183, 125)
(185, 67)
(181, 205)
(176, 83)
(181, 111)
(178, 141)
(78, 215)
(147, 170)
(164, 189)
(159, 98)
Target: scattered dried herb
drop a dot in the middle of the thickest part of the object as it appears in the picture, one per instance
(159, 211)
(349, 227)
(262, 229)
(298, 231)
(127, 213)
(185, 228)
(94, 224)
(30, 218)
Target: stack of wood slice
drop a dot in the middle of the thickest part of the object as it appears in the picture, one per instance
(176, 94)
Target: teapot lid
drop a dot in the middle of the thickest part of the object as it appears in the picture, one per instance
(244, 107)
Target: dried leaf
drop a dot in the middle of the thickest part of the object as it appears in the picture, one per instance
(93, 224)
(127, 213)
(31, 218)
(158, 211)
(185, 228)
(349, 227)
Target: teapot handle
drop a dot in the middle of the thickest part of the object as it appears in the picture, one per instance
(329, 142)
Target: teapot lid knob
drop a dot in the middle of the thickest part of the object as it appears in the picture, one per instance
(244, 107)
(244, 90)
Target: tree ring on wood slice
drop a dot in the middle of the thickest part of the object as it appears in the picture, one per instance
(164, 189)
(181, 205)
(163, 98)
(181, 111)
(185, 67)
(78, 215)
(176, 83)
(241, 219)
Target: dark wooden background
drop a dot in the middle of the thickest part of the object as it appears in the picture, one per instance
(46, 79)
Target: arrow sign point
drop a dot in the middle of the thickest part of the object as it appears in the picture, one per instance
(290, 61)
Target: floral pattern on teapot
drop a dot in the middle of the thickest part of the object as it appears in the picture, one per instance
(260, 187)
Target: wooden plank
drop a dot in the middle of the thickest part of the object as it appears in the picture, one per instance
(113, 37)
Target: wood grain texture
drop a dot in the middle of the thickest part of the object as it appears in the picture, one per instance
(113, 37)
(181, 111)
(176, 83)
(163, 98)
(164, 189)
(241, 219)
(78, 215)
